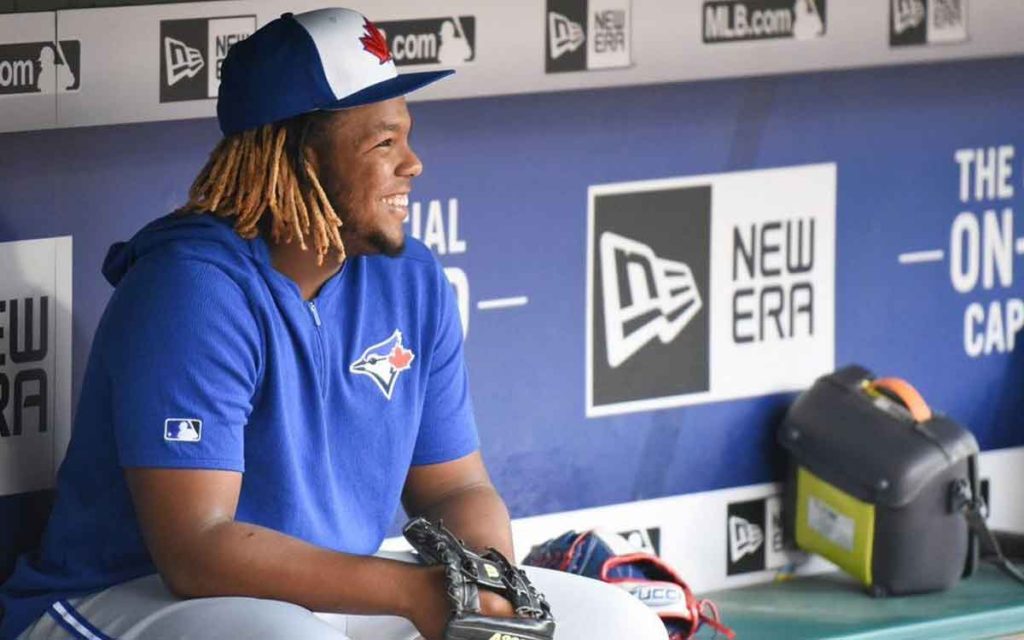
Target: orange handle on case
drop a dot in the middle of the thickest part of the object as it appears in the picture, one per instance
(907, 394)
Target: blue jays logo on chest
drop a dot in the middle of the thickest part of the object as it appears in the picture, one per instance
(383, 362)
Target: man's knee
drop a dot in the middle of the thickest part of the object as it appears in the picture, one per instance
(250, 618)
(587, 608)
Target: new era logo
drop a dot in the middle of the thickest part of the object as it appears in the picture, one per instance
(649, 280)
(906, 15)
(192, 52)
(565, 35)
(583, 35)
(645, 297)
(754, 539)
(183, 430)
(746, 523)
(689, 302)
(745, 538)
(917, 22)
(182, 60)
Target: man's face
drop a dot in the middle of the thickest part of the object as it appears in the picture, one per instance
(366, 167)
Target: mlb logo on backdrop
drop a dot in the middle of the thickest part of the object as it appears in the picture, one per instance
(448, 41)
(739, 20)
(40, 67)
(709, 288)
(587, 34)
(915, 22)
(647, 540)
(192, 51)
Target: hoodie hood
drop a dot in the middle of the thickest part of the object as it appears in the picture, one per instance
(192, 233)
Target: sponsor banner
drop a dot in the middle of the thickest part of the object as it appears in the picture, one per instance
(647, 539)
(750, 547)
(447, 41)
(587, 34)
(983, 251)
(754, 536)
(35, 362)
(683, 531)
(47, 67)
(192, 52)
(698, 287)
(740, 20)
(125, 69)
(915, 22)
(29, 71)
(691, 535)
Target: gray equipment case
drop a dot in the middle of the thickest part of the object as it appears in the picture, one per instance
(877, 491)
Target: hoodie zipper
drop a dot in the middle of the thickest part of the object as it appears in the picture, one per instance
(319, 346)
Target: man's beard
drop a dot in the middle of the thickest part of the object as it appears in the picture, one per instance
(385, 245)
(376, 241)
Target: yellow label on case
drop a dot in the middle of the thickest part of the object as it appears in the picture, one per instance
(834, 524)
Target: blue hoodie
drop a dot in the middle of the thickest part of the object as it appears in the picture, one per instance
(208, 358)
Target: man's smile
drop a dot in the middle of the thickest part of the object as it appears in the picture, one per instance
(398, 204)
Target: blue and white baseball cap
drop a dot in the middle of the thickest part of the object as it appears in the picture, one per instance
(325, 59)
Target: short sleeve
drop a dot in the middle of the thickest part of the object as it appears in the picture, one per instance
(182, 350)
(447, 428)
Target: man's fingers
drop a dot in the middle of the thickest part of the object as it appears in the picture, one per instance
(491, 604)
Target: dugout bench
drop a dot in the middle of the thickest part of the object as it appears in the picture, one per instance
(833, 607)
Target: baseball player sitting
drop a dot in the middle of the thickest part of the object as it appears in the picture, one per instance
(277, 371)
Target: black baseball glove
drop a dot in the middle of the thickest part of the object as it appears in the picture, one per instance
(466, 573)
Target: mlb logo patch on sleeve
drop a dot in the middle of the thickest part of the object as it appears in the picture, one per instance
(183, 430)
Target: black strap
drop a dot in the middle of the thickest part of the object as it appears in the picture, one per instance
(990, 544)
(967, 500)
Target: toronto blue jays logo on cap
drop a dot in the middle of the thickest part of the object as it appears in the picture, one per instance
(374, 42)
(326, 59)
(383, 362)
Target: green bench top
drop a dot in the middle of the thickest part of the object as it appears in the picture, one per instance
(833, 606)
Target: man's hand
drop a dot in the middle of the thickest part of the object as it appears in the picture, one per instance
(432, 609)
(468, 576)
(460, 494)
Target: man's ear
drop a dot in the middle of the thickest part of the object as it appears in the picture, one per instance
(304, 132)
(319, 129)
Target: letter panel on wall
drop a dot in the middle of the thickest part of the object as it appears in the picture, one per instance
(35, 362)
(699, 287)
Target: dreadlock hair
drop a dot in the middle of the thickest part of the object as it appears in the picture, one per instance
(268, 172)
